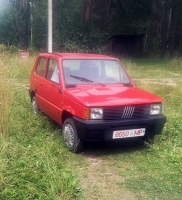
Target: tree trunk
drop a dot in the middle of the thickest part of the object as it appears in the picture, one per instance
(180, 39)
(22, 17)
(88, 11)
(164, 28)
(152, 20)
(174, 20)
(18, 13)
(27, 23)
(107, 14)
(82, 11)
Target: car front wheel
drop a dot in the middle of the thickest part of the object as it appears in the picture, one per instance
(70, 136)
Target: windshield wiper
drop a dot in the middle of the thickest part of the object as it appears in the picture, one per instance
(85, 80)
(127, 84)
(67, 85)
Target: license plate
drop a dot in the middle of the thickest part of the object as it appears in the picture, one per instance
(129, 133)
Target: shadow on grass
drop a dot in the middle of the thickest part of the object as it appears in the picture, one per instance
(121, 146)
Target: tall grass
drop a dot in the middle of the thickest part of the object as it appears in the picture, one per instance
(33, 161)
(4, 98)
(4, 112)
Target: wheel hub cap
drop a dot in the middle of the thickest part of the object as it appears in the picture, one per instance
(69, 135)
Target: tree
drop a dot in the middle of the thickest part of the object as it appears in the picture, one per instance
(22, 10)
(39, 24)
(164, 31)
(8, 33)
(152, 25)
(86, 25)
(175, 14)
(88, 11)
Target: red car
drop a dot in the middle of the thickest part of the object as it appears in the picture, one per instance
(93, 98)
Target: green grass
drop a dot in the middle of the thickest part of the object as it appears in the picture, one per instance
(4, 112)
(34, 163)
(153, 68)
(36, 157)
(156, 173)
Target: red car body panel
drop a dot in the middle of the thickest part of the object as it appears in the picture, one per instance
(98, 96)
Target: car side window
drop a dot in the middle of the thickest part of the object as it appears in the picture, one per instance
(52, 71)
(41, 67)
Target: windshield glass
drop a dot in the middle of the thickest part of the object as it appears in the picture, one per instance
(94, 72)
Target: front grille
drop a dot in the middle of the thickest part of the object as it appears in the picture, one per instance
(126, 112)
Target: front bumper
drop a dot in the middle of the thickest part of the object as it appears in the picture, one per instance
(100, 130)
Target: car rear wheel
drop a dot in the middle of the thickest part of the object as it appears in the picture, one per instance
(35, 107)
(70, 136)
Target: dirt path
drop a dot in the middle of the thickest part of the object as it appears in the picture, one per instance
(164, 81)
(100, 180)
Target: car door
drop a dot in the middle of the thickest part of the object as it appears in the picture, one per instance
(39, 81)
(53, 90)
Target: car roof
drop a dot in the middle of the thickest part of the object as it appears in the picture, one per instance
(79, 55)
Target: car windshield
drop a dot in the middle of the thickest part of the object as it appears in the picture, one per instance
(88, 71)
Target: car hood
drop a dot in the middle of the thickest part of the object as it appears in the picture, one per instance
(95, 96)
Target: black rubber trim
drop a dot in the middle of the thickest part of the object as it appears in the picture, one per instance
(97, 130)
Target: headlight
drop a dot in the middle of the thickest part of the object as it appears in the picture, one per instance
(96, 113)
(156, 109)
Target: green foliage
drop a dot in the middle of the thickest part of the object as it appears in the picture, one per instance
(82, 39)
(39, 25)
(26, 26)
(8, 33)
(71, 32)
(130, 17)
(73, 35)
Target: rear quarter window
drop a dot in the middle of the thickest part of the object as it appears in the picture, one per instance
(41, 67)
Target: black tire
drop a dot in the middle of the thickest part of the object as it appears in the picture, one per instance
(35, 107)
(70, 136)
